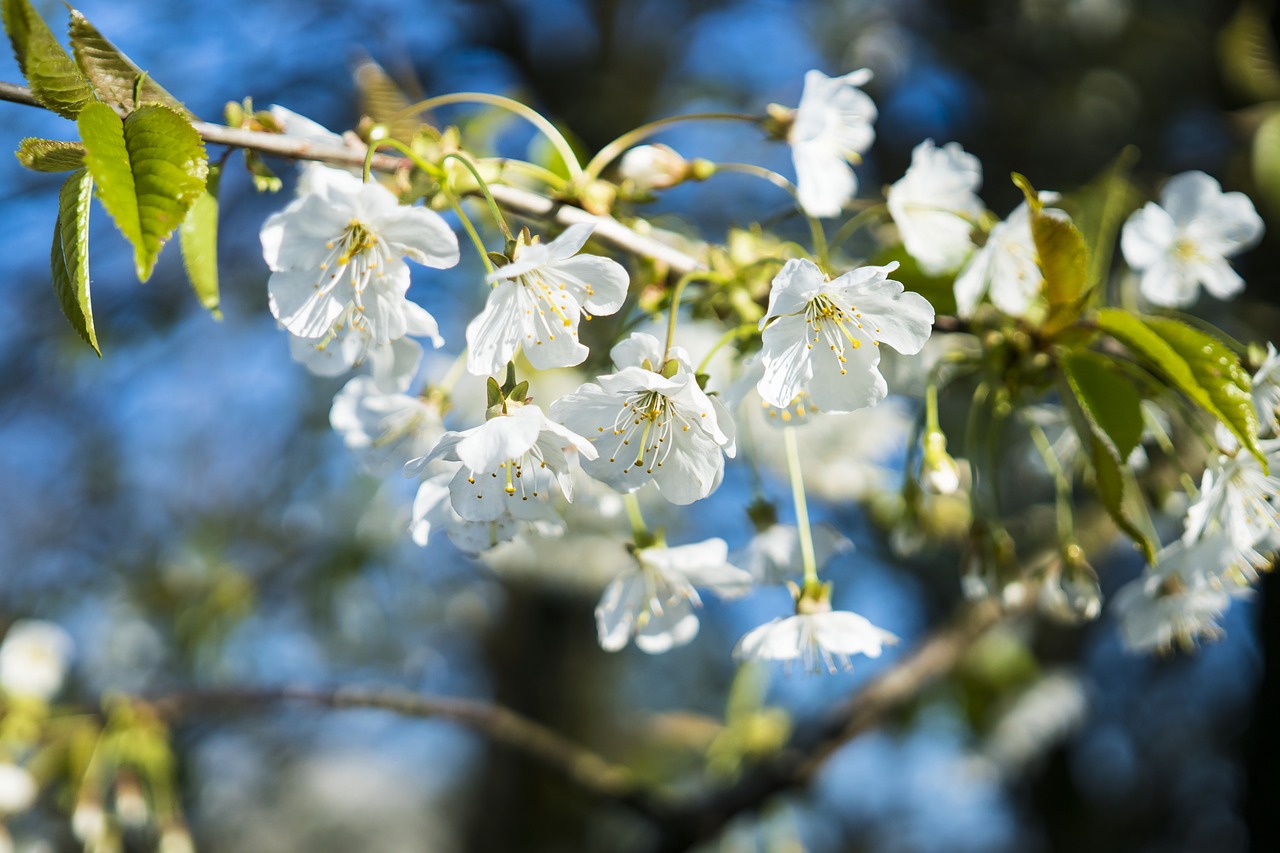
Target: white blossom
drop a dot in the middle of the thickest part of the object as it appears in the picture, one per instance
(649, 426)
(831, 128)
(34, 658)
(18, 789)
(384, 429)
(653, 603)
(538, 300)
(823, 639)
(1184, 241)
(935, 206)
(299, 126)
(1182, 597)
(1237, 497)
(336, 255)
(351, 344)
(1007, 267)
(824, 336)
(433, 511)
(508, 465)
(1266, 392)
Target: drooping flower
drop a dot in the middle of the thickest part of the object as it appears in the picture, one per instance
(538, 300)
(1184, 241)
(385, 429)
(935, 206)
(336, 255)
(508, 464)
(824, 336)
(653, 603)
(433, 512)
(1237, 497)
(817, 636)
(34, 658)
(1007, 267)
(1182, 597)
(651, 422)
(351, 343)
(830, 129)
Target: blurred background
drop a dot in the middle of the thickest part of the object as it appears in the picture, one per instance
(183, 508)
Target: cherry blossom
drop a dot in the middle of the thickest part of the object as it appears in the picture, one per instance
(830, 129)
(1007, 267)
(34, 658)
(935, 206)
(1184, 242)
(823, 336)
(538, 300)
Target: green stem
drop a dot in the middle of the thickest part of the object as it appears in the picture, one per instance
(863, 219)
(931, 405)
(533, 170)
(1061, 482)
(614, 149)
(554, 136)
(802, 509)
(735, 332)
(639, 530)
(471, 232)
(816, 232)
(455, 372)
(494, 211)
(675, 309)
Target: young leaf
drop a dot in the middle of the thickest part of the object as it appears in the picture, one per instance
(1063, 258)
(69, 258)
(1109, 400)
(1266, 160)
(1219, 372)
(50, 155)
(54, 79)
(1110, 481)
(112, 74)
(149, 169)
(1101, 207)
(198, 236)
(1196, 364)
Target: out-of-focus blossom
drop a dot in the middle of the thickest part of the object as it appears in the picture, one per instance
(34, 658)
(18, 789)
(1007, 268)
(830, 129)
(1184, 242)
(935, 206)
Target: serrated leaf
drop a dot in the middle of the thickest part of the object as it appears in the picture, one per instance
(149, 169)
(112, 74)
(1110, 481)
(50, 155)
(198, 236)
(1219, 371)
(1247, 49)
(69, 257)
(1188, 359)
(1109, 400)
(1266, 160)
(54, 79)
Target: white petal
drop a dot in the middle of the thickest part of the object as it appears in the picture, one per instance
(775, 640)
(787, 360)
(825, 181)
(842, 632)
(492, 337)
(496, 441)
(419, 234)
(796, 283)
(674, 626)
(623, 600)
(600, 284)
(901, 319)
(1148, 236)
(635, 350)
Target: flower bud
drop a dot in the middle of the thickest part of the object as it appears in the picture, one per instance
(131, 801)
(939, 473)
(34, 658)
(653, 167)
(88, 820)
(18, 789)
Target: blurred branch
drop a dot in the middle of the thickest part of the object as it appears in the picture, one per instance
(700, 819)
(579, 765)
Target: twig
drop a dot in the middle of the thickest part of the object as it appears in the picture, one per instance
(584, 768)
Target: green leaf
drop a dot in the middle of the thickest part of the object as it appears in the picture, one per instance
(1111, 402)
(1219, 371)
(69, 258)
(54, 79)
(1116, 495)
(49, 155)
(1100, 207)
(112, 74)
(384, 100)
(1196, 364)
(149, 168)
(198, 236)
(1063, 259)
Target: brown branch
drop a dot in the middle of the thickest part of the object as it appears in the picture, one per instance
(585, 769)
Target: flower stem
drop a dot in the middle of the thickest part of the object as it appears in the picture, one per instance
(807, 557)
(554, 136)
(614, 149)
(1061, 482)
(639, 530)
(816, 232)
(471, 232)
(533, 170)
(735, 332)
(858, 222)
(484, 188)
